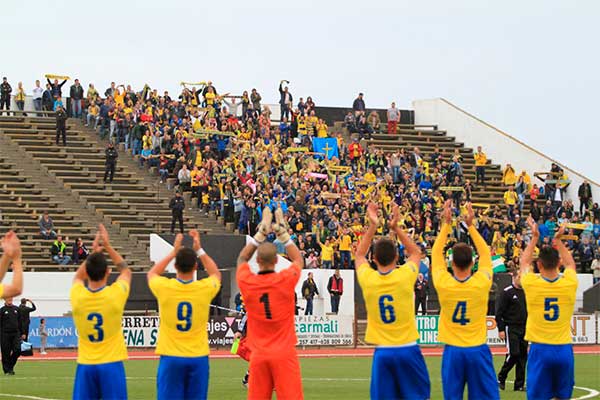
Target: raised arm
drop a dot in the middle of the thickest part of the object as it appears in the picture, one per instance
(367, 238)
(565, 255)
(12, 250)
(483, 250)
(438, 259)
(159, 268)
(122, 267)
(264, 228)
(526, 260)
(209, 264)
(411, 247)
(280, 227)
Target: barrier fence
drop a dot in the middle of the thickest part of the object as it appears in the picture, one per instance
(312, 330)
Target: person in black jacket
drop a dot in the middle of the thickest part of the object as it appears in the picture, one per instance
(285, 100)
(47, 100)
(585, 196)
(24, 311)
(61, 125)
(110, 163)
(76, 94)
(11, 333)
(309, 290)
(56, 87)
(5, 91)
(511, 317)
(421, 295)
(177, 205)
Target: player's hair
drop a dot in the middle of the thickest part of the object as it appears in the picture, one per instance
(185, 260)
(462, 256)
(385, 252)
(548, 258)
(96, 266)
(266, 254)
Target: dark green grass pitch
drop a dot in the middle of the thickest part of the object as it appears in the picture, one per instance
(323, 378)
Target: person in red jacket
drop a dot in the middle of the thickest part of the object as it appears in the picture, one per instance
(355, 151)
(335, 287)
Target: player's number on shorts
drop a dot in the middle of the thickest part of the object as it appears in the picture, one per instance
(184, 314)
(460, 313)
(98, 321)
(265, 300)
(552, 308)
(386, 310)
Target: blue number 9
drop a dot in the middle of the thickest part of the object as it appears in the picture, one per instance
(184, 314)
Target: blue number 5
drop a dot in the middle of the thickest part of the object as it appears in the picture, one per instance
(184, 314)
(386, 310)
(461, 308)
(550, 305)
(98, 327)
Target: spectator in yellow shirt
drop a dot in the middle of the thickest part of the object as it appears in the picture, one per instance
(480, 161)
(370, 176)
(345, 247)
(508, 175)
(326, 253)
(510, 199)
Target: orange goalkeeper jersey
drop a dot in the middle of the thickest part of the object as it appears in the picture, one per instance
(270, 304)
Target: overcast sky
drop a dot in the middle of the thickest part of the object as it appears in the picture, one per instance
(530, 68)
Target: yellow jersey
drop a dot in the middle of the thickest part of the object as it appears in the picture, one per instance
(98, 316)
(480, 159)
(183, 308)
(550, 306)
(345, 242)
(209, 98)
(326, 253)
(390, 303)
(463, 303)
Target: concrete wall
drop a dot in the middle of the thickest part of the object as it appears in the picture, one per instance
(501, 147)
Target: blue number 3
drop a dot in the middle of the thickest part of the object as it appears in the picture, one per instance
(99, 336)
(184, 314)
(461, 308)
(550, 305)
(386, 311)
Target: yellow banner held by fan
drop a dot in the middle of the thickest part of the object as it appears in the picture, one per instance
(338, 168)
(296, 150)
(572, 225)
(193, 83)
(51, 76)
(451, 189)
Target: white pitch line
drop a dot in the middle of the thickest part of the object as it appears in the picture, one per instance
(21, 396)
(592, 392)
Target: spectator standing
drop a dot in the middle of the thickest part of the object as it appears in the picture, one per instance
(11, 333)
(393, 118)
(43, 336)
(359, 106)
(76, 94)
(24, 311)
(47, 99)
(38, 94)
(20, 97)
(309, 290)
(345, 245)
(58, 252)
(511, 316)
(177, 205)
(421, 294)
(46, 225)
(585, 196)
(596, 268)
(285, 101)
(510, 199)
(255, 100)
(61, 125)
(56, 88)
(5, 91)
(110, 162)
(480, 162)
(335, 287)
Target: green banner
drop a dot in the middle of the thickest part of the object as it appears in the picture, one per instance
(427, 325)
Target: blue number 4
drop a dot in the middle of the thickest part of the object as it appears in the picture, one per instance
(99, 336)
(551, 306)
(386, 311)
(460, 313)
(184, 314)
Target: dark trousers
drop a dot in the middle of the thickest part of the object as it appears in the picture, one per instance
(583, 204)
(11, 350)
(5, 103)
(309, 306)
(335, 303)
(61, 131)
(517, 355)
(177, 217)
(422, 303)
(480, 174)
(109, 170)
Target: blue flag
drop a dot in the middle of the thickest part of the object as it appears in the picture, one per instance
(326, 146)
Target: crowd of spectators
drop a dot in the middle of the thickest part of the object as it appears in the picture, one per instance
(235, 160)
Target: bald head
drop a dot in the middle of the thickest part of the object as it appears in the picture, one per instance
(266, 256)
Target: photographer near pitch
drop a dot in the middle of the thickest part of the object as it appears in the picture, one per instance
(511, 317)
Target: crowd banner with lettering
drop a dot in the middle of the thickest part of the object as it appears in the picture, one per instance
(326, 330)
(583, 329)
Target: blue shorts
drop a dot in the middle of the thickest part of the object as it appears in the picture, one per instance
(100, 381)
(472, 366)
(182, 378)
(550, 371)
(399, 373)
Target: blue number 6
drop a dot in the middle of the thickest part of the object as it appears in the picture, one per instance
(184, 314)
(386, 311)
(553, 308)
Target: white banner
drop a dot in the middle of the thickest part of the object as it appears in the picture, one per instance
(311, 330)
